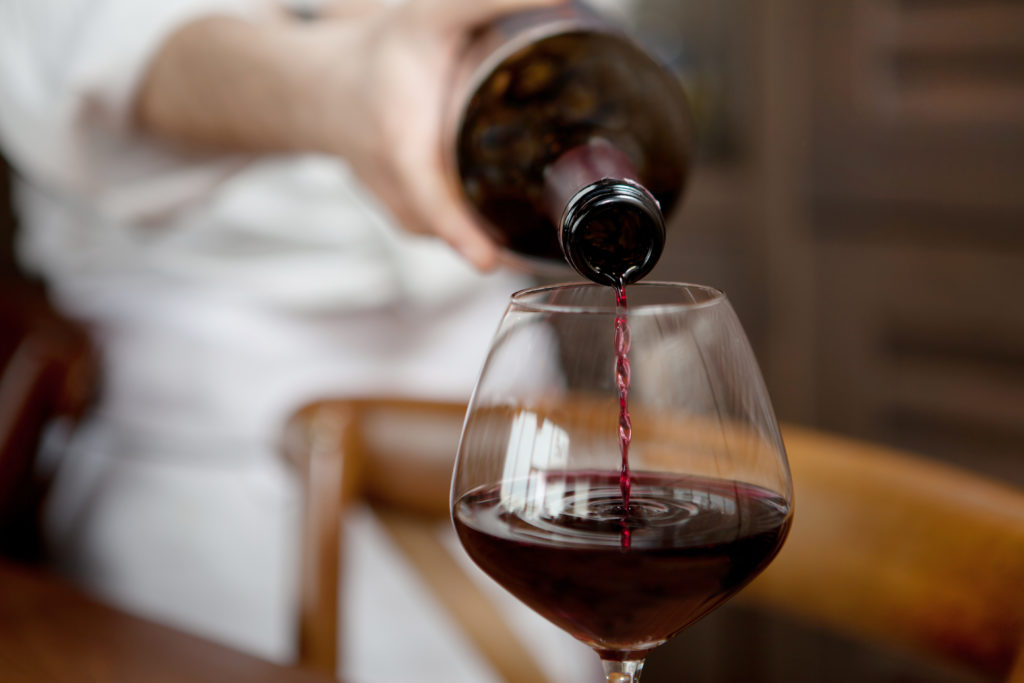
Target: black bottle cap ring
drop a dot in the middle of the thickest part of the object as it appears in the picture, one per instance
(583, 249)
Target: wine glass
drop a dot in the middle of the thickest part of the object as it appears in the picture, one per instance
(620, 469)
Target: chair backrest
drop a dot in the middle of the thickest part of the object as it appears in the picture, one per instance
(886, 546)
(396, 455)
(902, 550)
(48, 371)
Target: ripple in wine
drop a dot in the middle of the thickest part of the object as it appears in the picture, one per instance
(694, 542)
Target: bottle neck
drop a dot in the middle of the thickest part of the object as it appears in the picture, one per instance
(610, 228)
(579, 167)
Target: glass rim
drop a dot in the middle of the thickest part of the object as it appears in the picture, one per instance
(529, 299)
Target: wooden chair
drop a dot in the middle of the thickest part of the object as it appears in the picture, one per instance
(397, 456)
(902, 550)
(885, 546)
(48, 371)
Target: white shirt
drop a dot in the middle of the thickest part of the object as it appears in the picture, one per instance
(224, 292)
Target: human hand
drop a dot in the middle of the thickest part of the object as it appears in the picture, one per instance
(389, 102)
(366, 83)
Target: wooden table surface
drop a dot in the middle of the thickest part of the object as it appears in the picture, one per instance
(51, 632)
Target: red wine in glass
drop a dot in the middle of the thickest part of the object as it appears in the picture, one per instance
(621, 534)
(695, 541)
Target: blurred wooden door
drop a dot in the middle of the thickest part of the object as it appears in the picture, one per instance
(917, 224)
(870, 224)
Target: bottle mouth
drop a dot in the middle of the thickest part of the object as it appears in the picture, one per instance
(645, 298)
(612, 231)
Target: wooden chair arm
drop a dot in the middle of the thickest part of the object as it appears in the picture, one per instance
(901, 549)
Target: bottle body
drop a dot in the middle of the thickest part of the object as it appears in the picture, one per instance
(550, 103)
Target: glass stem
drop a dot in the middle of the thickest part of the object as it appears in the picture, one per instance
(622, 671)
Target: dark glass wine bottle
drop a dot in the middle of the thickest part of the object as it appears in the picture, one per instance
(570, 141)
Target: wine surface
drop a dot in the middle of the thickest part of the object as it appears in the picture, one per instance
(554, 541)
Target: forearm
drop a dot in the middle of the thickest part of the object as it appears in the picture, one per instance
(368, 86)
(228, 83)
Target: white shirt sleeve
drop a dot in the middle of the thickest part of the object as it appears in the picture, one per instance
(70, 72)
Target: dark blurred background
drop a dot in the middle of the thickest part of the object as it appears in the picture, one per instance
(860, 198)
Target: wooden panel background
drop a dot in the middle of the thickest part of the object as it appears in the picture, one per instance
(871, 229)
